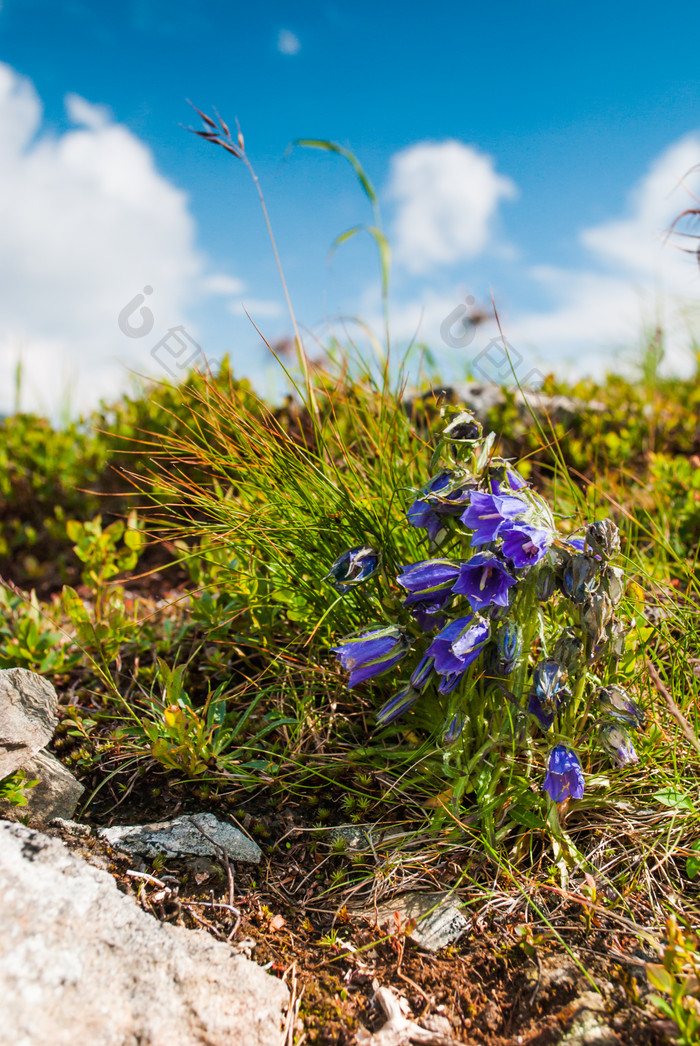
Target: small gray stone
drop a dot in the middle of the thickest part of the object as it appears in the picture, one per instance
(439, 920)
(355, 837)
(590, 1026)
(73, 828)
(28, 717)
(56, 795)
(182, 838)
(80, 962)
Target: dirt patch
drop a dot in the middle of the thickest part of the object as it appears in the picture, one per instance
(509, 981)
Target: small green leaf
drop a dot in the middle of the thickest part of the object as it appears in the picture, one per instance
(692, 864)
(675, 799)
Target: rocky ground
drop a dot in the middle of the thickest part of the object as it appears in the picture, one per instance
(190, 931)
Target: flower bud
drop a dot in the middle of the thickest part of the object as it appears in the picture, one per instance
(568, 650)
(422, 674)
(596, 613)
(397, 705)
(617, 703)
(617, 743)
(510, 644)
(613, 582)
(352, 568)
(463, 428)
(546, 582)
(603, 538)
(547, 679)
(454, 729)
(581, 578)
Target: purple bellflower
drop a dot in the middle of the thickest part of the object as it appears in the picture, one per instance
(564, 778)
(456, 647)
(484, 580)
(443, 495)
(488, 514)
(429, 585)
(423, 580)
(372, 653)
(524, 545)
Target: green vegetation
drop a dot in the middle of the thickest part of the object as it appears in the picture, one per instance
(165, 563)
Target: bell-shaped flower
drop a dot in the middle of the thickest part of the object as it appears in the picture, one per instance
(371, 653)
(524, 545)
(429, 585)
(397, 705)
(483, 579)
(617, 743)
(488, 514)
(443, 495)
(564, 778)
(353, 567)
(425, 579)
(617, 703)
(456, 647)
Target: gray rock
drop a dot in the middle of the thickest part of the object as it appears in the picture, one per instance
(56, 795)
(438, 918)
(80, 962)
(356, 838)
(28, 717)
(481, 397)
(182, 838)
(590, 1026)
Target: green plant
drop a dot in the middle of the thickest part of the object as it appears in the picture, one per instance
(678, 977)
(196, 741)
(13, 789)
(98, 548)
(28, 639)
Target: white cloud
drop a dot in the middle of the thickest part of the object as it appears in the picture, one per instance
(255, 307)
(447, 195)
(638, 280)
(629, 279)
(221, 285)
(288, 42)
(87, 222)
(85, 113)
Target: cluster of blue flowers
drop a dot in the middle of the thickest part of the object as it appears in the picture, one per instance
(481, 610)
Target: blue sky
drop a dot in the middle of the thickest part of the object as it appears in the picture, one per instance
(529, 151)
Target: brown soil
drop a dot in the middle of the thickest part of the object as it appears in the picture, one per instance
(507, 982)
